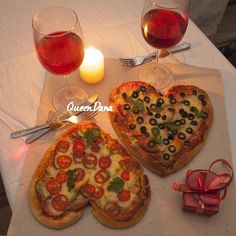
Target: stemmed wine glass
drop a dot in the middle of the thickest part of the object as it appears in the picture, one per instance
(163, 24)
(59, 45)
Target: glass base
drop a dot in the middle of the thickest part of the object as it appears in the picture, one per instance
(64, 96)
(156, 74)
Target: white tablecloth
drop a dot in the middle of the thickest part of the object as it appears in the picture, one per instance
(110, 25)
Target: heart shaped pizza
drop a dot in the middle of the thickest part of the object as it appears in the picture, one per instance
(86, 166)
(163, 131)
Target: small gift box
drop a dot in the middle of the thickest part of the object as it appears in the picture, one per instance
(204, 190)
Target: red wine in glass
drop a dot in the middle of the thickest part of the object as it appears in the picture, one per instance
(163, 28)
(60, 52)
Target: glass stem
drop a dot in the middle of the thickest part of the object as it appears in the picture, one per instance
(68, 92)
(158, 53)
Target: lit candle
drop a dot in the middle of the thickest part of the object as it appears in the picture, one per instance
(92, 68)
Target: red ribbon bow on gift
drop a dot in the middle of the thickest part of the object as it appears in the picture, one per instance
(206, 184)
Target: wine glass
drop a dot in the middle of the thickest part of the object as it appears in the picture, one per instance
(163, 24)
(59, 45)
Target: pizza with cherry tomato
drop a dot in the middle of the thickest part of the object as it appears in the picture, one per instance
(164, 131)
(87, 167)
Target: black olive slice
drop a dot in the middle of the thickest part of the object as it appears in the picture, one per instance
(204, 102)
(143, 88)
(140, 120)
(187, 143)
(124, 95)
(164, 117)
(135, 111)
(170, 96)
(166, 156)
(151, 144)
(171, 137)
(171, 109)
(189, 130)
(126, 106)
(177, 122)
(132, 126)
(166, 141)
(204, 115)
(173, 100)
(192, 109)
(146, 99)
(186, 103)
(153, 122)
(182, 94)
(172, 148)
(143, 129)
(181, 136)
(161, 126)
(157, 115)
(201, 97)
(135, 94)
(193, 122)
(146, 134)
(191, 116)
(182, 121)
(153, 107)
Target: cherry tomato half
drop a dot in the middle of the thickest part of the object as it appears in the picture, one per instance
(80, 174)
(99, 139)
(90, 161)
(128, 163)
(78, 148)
(61, 176)
(99, 191)
(64, 161)
(60, 202)
(104, 162)
(53, 186)
(95, 147)
(125, 175)
(101, 176)
(124, 195)
(88, 190)
(63, 146)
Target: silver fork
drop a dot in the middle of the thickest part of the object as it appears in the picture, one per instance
(139, 60)
(36, 135)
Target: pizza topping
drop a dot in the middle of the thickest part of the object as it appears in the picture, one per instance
(72, 175)
(78, 148)
(172, 125)
(182, 94)
(186, 103)
(191, 116)
(64, 161)
(151, 144)
(101, 176)
(140, 120)
(80, 174)
(201, 97)
(125, 175)
(187, 143)
(193, 122)
(182, 121)
(146, 99)
(153, 121)
(137, 107)
(173, 101)
(204, 102)
(124, 195)
(143, 88)
(53, 186)
(116, 185)
(132, 126)
(104, 162)
(60, 202)
(189, 130)
(194, 92)
(61, 177)
(124, 95)
(177, 122)
(164, 117)
(99, 139)
(126, 106)
(166, 156)
(63, 146)
(90, 161)
(88, 190)
(95, 147)
(171, 109)
(91, 134)
(166, 141)
(158, 115)
(135, 94)
(172, 148)
(143, 129)
(181, 136)
(204, 115)
(99, 191)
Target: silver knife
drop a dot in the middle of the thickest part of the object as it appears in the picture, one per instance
(19, 133)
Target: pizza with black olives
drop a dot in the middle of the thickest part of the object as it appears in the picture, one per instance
(86, 166)
(163, 131)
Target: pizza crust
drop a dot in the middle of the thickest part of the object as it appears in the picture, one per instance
(149, 159)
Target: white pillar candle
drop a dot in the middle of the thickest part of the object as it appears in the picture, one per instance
(92, 67)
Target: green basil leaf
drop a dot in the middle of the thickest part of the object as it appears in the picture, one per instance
(138, 106)
(71, 178)
(116, 185)
(155, 131)
(90, 135)
(157, 139)
(196, 112)
(172, 125)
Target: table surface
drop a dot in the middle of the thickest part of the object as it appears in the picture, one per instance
(110, 25)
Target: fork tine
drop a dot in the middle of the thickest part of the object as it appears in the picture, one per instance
(89, 115)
